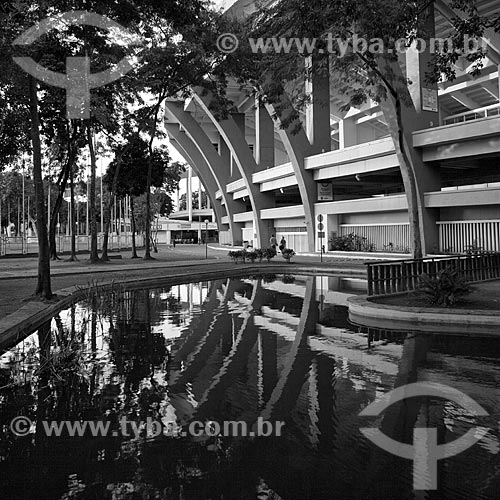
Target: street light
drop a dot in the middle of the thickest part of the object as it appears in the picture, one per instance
(206, 238)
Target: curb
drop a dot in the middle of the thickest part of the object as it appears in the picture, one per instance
(471, 322)
(35, 313)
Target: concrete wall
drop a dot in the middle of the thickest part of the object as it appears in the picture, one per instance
(485, 212)
(374, 218)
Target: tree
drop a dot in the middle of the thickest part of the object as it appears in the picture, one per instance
(133, 177)
(357, 75)
(194, 201)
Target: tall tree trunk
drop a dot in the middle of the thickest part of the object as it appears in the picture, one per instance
(43, 288)
(147, 243)
(132, 221)
(107, 215)
(147, 248)
(94, 256)
(62, 182)
(73, 257)
(107, 224)
(412, 168)
(392, 108)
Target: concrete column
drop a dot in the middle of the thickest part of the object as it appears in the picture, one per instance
(348, 135)
(189, 193)
(318, 111)
(424, 95)
(498, 68)
(199, 194)
(239, 119)
(264, 137)
(226, 157)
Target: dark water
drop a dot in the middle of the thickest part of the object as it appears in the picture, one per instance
(278, 348)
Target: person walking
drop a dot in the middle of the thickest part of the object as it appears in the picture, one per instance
(273, 242)
(282, 246)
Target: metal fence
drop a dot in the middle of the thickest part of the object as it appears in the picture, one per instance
(24, 245)
(392, 277)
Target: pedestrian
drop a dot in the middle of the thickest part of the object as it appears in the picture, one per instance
(273, 242)
(282, 246)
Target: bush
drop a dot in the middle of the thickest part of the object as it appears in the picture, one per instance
(351, 243)
(251, 256)
(446, 288)
(259, 254)
(269, 253)
(287, 254)
(236, 255)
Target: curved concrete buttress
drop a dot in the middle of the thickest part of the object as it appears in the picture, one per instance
(188, 149)
(236, 142)
(218, 165)
(298, 148)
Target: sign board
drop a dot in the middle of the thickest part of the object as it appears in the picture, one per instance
(325, 191)
(320, 218)
(430, 100)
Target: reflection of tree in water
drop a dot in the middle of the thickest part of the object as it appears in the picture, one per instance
(63, 380)
(135, 348)
(174, 308)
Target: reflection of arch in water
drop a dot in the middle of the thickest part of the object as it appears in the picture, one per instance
(217, 318)
(191, 337)
(296, 365)
(234, 362)
(223, 324)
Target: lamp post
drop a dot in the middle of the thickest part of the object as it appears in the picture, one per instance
(206, 238)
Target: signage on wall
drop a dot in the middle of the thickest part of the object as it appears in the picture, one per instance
(430, 100)
(325, 191)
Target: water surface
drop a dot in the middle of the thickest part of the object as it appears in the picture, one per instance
(279, 348)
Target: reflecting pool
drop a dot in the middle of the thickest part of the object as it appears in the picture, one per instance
(272, 349)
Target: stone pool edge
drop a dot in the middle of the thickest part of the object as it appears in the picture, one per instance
(470, 322)
(35, 313)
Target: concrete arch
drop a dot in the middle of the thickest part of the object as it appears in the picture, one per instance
(298, 148)
(219, 166)
(188, 149)
(236, 142)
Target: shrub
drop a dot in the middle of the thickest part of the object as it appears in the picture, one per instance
(269, 253)
(269, 278)
(446, 288)
(251, 256)
(287, 254)
(351, 243)
(259, 254)
(236, 255)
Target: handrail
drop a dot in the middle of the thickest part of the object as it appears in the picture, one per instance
(482, 112)
(388, 277)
